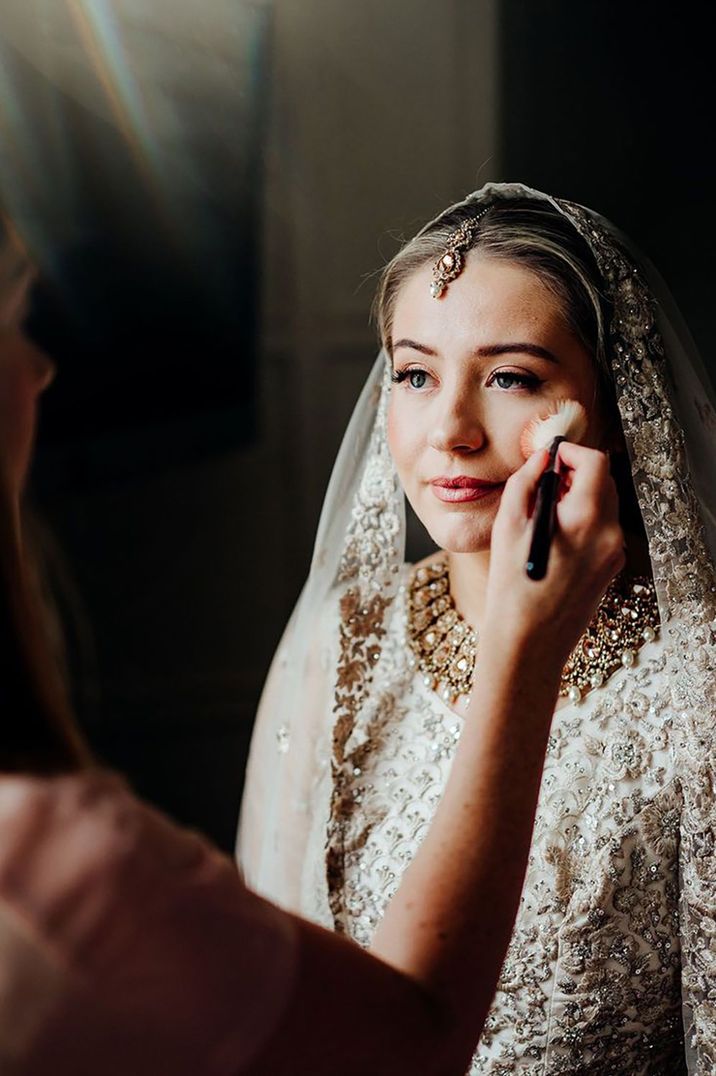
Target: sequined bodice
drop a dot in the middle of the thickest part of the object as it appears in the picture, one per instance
(591, 981)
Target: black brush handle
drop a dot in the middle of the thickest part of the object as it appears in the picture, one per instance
(543, 527)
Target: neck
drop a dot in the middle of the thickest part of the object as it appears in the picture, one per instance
(468, 584)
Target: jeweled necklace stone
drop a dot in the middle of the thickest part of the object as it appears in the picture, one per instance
(445, 645)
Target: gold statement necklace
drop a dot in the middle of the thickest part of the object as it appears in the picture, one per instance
(445, 645)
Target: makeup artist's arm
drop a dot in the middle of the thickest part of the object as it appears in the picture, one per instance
(456, 905)
(129, 945)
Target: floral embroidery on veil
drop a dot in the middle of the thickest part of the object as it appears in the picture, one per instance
(684, 574)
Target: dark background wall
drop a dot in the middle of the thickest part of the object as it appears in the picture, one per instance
(612, 105)
(131, 157)
(211, 314)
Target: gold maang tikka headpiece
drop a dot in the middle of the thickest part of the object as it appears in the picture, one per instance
(452, 261)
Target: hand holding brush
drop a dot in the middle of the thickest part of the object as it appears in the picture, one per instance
(567, 421)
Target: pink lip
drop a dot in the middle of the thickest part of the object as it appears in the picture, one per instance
(462, 488)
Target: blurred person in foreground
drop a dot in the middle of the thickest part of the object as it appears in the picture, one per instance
(130, 945)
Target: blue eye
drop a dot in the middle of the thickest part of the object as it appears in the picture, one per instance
(507, 379)
(417, 379)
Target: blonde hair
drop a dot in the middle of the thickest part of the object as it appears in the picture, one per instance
(534, 235)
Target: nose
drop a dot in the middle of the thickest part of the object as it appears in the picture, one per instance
(457, 426)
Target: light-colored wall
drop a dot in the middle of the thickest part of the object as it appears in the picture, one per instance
(381, 115)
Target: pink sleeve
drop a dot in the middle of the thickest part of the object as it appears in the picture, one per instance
(128, 945)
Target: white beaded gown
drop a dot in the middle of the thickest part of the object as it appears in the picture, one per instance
(591, 982)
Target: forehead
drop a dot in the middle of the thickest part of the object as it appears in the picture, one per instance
(492, 298)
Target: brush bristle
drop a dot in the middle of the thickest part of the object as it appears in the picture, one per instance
(566, 418)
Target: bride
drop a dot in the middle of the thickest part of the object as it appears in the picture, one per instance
(507, 302)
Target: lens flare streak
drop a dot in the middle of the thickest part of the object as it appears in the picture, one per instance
(100, 35)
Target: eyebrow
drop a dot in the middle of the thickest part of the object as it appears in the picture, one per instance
(490, 351)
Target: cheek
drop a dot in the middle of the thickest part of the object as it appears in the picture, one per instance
(604, 428)
(402, 436)
(583, 388)
(507, 422)
(513, 433)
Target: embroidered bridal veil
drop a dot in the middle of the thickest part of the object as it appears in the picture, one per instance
(312, 717)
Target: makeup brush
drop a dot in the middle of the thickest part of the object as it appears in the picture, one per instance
(566, 421)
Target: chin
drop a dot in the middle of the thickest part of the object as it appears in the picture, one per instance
(460, 534)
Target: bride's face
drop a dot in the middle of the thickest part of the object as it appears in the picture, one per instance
(472, 369)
